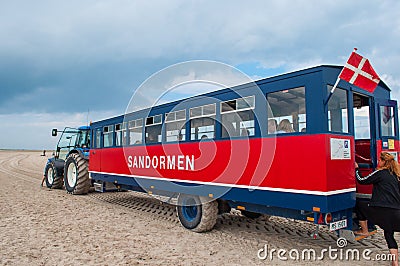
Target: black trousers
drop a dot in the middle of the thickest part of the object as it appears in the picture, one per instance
(386, 218)
(361, 209)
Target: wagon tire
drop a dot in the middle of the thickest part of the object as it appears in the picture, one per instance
(76, 175)
(52, 179)
(197, 214)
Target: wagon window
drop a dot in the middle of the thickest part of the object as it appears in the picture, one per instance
(202, 122)
(175, 126)
(237, 117)
(288, 111)
(98, 138)
(108, 136)
(337, 111)
(362, 116)
(124, 130)
(153, 129)
(387, 121)
(118, 135)
(135, 131)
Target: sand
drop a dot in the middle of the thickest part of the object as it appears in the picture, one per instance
(39, 226)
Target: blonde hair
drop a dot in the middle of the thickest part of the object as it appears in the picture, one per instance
(285, 125)
(390, 163)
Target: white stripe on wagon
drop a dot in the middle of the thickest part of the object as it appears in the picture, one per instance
(298, 191)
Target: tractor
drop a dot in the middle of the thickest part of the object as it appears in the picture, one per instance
(70, 161)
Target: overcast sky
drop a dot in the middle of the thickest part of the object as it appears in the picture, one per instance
(59, 59)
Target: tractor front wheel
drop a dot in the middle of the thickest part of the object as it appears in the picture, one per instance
(76, 175)
(51, 178)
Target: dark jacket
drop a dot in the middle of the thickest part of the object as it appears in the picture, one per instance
(386, 191)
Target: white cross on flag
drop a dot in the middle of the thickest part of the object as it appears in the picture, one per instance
(358, 71)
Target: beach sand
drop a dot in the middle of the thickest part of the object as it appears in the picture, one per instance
(39, 226)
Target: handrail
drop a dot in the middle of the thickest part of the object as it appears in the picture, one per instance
(364, 159)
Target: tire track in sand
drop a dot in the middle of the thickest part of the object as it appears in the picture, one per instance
(10, 167)
(251, 232)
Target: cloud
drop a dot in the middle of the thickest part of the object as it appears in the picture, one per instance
(184, 80)
(33, 130)
(70, 56)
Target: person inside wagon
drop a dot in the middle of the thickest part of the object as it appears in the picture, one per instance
(285, 126)
(272, 125)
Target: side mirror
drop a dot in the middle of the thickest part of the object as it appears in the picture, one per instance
(54, 132)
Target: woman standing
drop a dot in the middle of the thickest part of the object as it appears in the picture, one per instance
(384, 207)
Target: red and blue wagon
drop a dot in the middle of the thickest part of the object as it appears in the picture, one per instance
(217, 151)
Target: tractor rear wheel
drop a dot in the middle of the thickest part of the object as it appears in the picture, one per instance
(196, 213)
(76, 175)
(52, 180)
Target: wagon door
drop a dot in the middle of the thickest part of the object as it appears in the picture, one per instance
(365, 138)
(95, 151)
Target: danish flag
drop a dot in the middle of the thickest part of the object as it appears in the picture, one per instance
(358, 71)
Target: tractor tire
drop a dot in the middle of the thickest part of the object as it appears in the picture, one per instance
(197, 214)
(52, 179)
(76, 175)
(251, 215)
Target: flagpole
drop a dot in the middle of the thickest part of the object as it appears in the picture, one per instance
(332, 90)
(336, 83)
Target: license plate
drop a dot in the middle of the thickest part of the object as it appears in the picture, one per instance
(338, 225)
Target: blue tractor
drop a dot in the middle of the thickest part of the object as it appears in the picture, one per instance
(70, 164)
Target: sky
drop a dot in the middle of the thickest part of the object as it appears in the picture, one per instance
(64, 63)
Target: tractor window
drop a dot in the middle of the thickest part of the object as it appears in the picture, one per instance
(67, 142)
(83, 140)
(288, 111)
(68, 139)
(387, 121)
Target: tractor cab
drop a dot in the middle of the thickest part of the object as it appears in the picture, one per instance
(72, 139)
